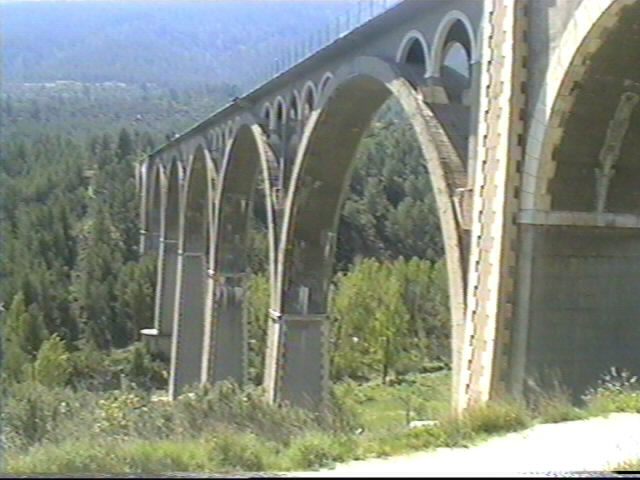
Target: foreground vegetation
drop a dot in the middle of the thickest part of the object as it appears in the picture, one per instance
(227, 429)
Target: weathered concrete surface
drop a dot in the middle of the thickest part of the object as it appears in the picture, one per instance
(585, 307)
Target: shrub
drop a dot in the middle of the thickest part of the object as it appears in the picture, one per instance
(316, 450)
(497, 416)
(52, 366)
(243, 451)
(618, 391)
(555, 405)
(32, 412)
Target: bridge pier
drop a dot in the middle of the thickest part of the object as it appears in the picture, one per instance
(188, 329)
(225, 349)
(297, 363)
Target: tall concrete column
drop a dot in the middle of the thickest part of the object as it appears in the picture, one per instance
(188, 329)
(297, 363)
(225, 348)
(490, 294)
(159, 336)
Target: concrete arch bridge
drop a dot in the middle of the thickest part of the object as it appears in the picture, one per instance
(526, 112)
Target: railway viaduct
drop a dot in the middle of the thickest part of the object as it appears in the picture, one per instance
(532, 143)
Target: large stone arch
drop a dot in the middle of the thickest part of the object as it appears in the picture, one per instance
(580, 207)
(297, 362)
(247, 158)
(192, 267)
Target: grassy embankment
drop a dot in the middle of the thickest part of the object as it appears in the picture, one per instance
(225, 429)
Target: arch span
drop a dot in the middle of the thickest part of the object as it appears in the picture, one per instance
(309, 96)
(411, 54)
(454, 27)
(155, 208)
(160, 335)
(580, 206)
(193, 251)
(317, 191)
(247, 159)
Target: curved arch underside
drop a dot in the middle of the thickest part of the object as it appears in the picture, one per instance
(582, 307)
(167, 261)
(225, 348)
(155, 210)
(317, 192)
(188, 328)
(601, 134)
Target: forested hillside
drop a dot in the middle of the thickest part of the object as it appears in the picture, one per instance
(75, 293)
(171, 44)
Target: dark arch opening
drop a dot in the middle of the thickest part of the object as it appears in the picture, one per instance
(416, 55)
(267, 116)
(293, 107)
(455, 70)
(309, 101)
(280, 112)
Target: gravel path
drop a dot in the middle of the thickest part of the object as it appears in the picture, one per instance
(590, 445)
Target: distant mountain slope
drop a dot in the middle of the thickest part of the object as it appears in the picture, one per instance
(170, 43)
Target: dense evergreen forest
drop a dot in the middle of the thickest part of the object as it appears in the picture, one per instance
(74, 291)
(171, 44)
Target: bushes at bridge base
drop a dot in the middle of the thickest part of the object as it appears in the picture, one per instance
(228, 429)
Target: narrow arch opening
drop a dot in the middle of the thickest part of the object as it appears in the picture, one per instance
(455, 70)
(309, 101)
(266, 115)
(293, 107)
(415, 54)
(280, 118)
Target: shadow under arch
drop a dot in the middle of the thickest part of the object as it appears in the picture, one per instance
(580, 206)
(192, 266)
(248, 158)
(297, 372)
